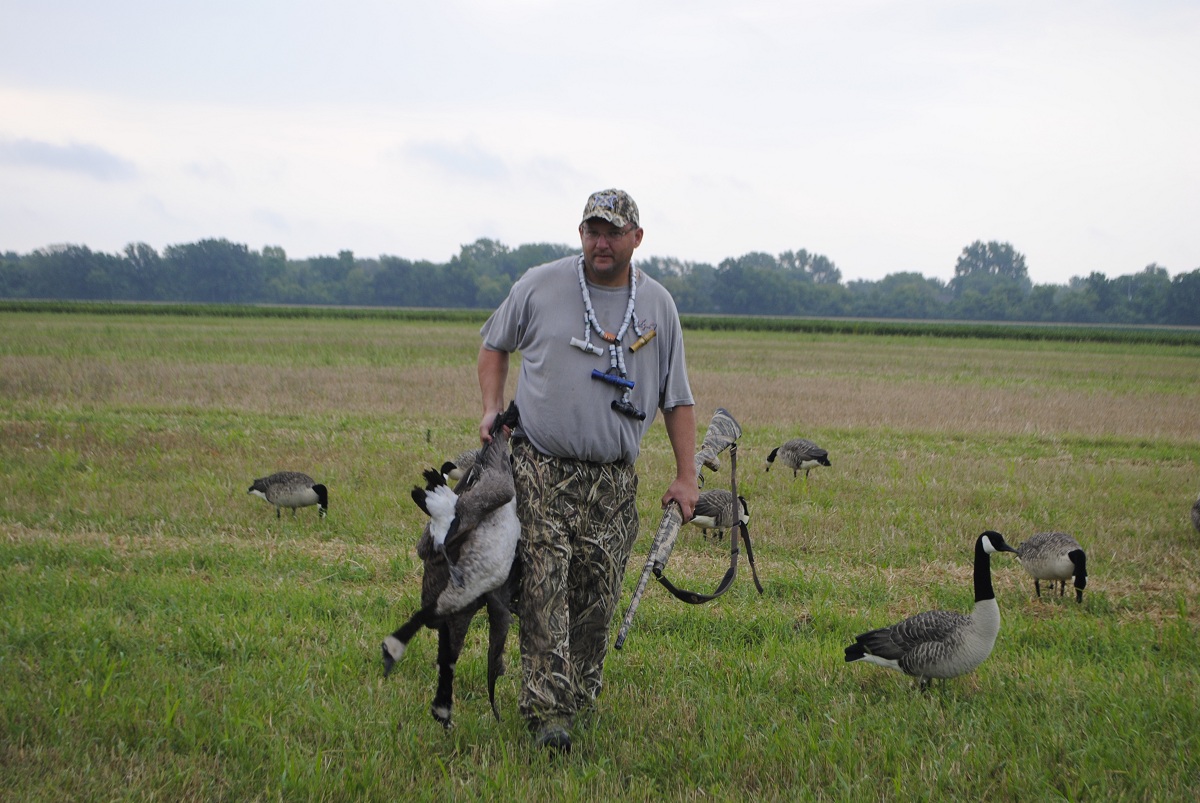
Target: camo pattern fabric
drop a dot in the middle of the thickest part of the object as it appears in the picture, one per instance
(615, 206)
(579, 521)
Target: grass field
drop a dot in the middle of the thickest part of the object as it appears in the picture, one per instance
(165, 637)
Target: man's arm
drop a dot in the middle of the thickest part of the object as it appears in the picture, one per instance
(681, 430)
(492, 367)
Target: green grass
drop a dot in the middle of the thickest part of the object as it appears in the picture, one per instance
(165, 637)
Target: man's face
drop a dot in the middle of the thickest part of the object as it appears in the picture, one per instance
(608, 250)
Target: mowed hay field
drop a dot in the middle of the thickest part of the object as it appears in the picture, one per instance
(165, 637)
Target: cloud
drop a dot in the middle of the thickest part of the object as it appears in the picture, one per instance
(211, 170)
(461, 160)
(82, 159)
(272, 220)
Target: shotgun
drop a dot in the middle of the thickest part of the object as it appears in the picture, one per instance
(723, 432)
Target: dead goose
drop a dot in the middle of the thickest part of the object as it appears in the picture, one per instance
(799, 453)
(473, 568)
(454, 470)
(714, 511)
(940, 644)
(291, 489)
(1054, 556)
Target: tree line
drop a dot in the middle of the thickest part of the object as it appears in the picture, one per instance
(991, 283)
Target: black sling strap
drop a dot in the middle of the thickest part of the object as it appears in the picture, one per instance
(694, 598)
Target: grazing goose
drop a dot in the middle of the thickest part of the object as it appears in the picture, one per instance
(291, 489)
(473, 568)
(454, 470)
(1196, 514)
(714, 511)
(799, 453)
(1054, 556)
(940, 644)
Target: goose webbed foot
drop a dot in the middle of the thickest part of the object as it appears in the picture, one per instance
(393, 651)
(442, 715)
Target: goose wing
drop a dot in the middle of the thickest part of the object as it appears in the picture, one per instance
(491, 488)
(712, 504)
(916, 634)
(807, 450)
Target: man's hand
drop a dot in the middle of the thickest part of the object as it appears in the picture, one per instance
(684, 492)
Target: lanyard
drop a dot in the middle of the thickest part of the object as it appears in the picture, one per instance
(616, 373)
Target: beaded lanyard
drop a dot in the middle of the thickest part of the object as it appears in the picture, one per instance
(616, 374)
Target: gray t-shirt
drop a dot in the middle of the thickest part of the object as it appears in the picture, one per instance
(564, 411)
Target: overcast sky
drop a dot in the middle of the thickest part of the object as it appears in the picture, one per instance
(884, 135)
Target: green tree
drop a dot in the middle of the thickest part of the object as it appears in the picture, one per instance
(1144, 296)
(525, 257)
(392, 285)
(75, 271)
(14, 276)
(1184, 307)
(214, 271)
(900, 295)
(980, 264)
(754, 284)
(814, 267)
(273, 264)
(694, 287)
(144, 268)
(1041, 304)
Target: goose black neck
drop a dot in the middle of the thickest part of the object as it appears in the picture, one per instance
(983, 574)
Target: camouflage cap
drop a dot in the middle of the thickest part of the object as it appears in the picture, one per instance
(615, 206)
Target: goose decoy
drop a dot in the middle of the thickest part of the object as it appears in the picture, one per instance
(714, 510)
(454, 470)
(291, 489)
(799, 453)
(1196, 514)
(468, 548)
(940, 644)
(1054, 556)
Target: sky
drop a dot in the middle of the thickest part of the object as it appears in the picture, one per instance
(885, 136)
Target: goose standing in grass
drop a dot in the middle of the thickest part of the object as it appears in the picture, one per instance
(468, 548)
(940, 644)
(714, 511)
(1054, 556)
(1196, 514)
(799, 453)
(291, 489)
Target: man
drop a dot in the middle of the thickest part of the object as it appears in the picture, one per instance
(601, 351)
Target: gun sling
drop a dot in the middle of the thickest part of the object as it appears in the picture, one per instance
(695, 598)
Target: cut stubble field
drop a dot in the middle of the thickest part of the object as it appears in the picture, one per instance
(166, 637)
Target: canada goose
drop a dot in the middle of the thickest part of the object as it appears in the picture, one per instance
(1196, 514)
(714, 511)
(454, 470)
(1054, 556)
(474, 567)
(799, 453)
(291, 489)
(940, 644)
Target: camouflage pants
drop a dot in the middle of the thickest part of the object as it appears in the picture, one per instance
(578, 524)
